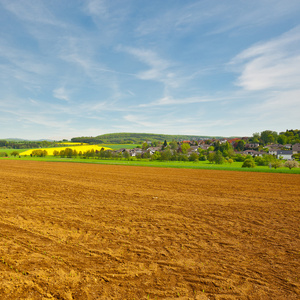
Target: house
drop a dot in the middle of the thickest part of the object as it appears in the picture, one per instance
(204, 147)
(296, 148)
(274, 148)
(285, 154)
(252, 145)
(193, 149)
(135, 151)
(287, 146)
(152, 150)
(253, 152)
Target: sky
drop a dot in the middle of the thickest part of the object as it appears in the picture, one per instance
(90, 67)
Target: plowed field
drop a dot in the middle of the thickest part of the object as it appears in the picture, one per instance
(82, 231)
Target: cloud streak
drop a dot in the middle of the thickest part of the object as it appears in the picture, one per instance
(271, 65)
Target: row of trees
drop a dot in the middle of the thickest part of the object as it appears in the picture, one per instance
(268, 137)
(28, 144)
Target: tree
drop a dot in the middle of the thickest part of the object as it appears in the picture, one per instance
(166, 155)
(146, 154)
(296, 156)
(145, 146)
(291, 164)
(55, 153)
(240, 145)
(211, 157)
(39, 153)
(268, 136)
(173, 145)
(14, 153)
(165, 144)
(156, 155)
(62, 153)
(255, 137)
(225, 147)
(282, 139)
(126, 155)
(248, 163)
(194, 157)
(276, 164)
(218, 159)
(185, 147)
(68, 152)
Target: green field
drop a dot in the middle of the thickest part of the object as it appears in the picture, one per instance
(119, 146)
(235, 166)
(9, 151)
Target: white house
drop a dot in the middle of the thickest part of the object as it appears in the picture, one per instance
(285, 154)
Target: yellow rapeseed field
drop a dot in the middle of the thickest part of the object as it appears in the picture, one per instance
(77, 148)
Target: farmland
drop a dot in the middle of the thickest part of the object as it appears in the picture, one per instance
(90, 231)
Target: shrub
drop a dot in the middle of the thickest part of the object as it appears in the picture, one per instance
(248, 163)
(239, 157)
(259, 161)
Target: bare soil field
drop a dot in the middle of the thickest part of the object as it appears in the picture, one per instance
(86, 231)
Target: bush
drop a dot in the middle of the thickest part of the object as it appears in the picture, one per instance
(239, 157)
(259, 161)
(3, 154)
(230, 161)
(248, 163)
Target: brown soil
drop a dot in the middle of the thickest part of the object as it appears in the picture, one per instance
(81, 231)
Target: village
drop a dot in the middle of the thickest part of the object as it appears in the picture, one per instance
(228, 147)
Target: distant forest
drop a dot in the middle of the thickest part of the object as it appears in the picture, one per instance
(136, 138)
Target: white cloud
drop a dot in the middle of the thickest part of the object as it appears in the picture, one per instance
(271, 65)
(169, 100)
(61, 93)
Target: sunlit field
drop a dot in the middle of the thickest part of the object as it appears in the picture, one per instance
(91, 231)
(83, 148)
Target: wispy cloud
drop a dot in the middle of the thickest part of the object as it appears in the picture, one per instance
(169, 100)
(160, 69)
(32, 11)
(273, 64)
(218, 16)
(61, 93)
(97, 7)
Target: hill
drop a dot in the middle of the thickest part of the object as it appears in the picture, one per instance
(136, 138)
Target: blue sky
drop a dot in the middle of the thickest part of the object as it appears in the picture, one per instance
(207, 67)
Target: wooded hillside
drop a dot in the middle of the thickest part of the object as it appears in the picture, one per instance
(135, 138)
